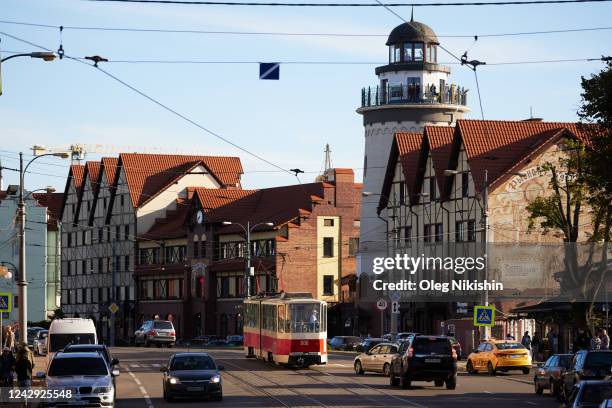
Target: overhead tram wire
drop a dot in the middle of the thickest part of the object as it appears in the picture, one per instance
(285, 4)
(288, 34)
(160, 104)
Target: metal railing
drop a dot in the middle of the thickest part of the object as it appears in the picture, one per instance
(413, 94)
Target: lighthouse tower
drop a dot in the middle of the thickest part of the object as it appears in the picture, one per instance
(413, 91)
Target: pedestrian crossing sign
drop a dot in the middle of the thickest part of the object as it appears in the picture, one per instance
(484, 316)
(5, 301)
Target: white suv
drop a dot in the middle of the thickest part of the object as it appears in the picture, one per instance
(86, 374)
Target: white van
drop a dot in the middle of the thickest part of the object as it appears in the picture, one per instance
(69, 331)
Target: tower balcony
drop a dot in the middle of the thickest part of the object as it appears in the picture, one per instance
(413, 94)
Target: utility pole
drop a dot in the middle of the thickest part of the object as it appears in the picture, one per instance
(247, 256)
(113, 291)
(485, 223)
(22, 282)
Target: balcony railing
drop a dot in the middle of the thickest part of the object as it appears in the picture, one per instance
(413, 94)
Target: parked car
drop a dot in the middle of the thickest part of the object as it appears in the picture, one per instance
(217, 343)
(192, 375)
(346, 343)
(590, 394)
(425, 358)
(368, 343)
(235, 340)
(39, 345)
(203, 339)
(86, 372)
(63, 332)
(503, 355)
(548, 376)
(586, 365)
(157, 332)
(405, 336)
(456, 346)
(32, 332)
(377, 359)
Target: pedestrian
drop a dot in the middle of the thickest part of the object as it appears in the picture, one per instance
(7, 366)
(314, 319)
(552, 340)
(10, 338)
(24, 364)
(605, 340)
(595, 342)
(582, 341)
(526, 340)
(535, 347)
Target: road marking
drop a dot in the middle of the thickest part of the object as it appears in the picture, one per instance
(137, 381)
(142, 389)
(134, 365)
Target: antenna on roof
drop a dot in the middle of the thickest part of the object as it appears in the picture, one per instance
(412, 15)
(531, 112)
(327, 166)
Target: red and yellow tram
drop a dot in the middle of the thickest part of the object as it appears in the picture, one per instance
(288, 329)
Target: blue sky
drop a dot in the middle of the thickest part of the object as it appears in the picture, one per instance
(287, 121)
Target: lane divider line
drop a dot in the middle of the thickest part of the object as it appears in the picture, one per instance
(142, 389)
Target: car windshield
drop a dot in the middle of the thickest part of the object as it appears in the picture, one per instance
(86, 349)
(599, 359)
(77, 366)
(596, 393)
(431, 345)
(509, 346)
(162, 325)
(60, 340)
(307, 317)
(565, 361)
(192, 363)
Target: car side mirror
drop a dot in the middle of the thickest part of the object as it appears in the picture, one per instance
(163, 369)
(115, 361)
(220, 368)
(115, 372)
(40, 375)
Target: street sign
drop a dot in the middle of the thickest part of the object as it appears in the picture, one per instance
(484, 316)
(113, 308)
(395, 307)
(269, 70)
(5, 301)
(381, 304)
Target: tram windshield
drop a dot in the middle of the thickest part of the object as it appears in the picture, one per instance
(308, 317)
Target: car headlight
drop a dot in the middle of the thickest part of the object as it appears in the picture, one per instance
(174, 380)
(215, 379)
(102, 390)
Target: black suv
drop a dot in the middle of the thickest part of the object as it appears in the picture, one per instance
(425, 358)
(586, 365)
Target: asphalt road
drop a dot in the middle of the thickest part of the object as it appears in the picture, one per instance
(250, 383)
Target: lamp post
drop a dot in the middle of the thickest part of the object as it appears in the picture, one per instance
(45, 56)
(247, 255)
(21, 213)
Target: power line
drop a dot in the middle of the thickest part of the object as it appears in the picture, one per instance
(289, 34)
(285, 4)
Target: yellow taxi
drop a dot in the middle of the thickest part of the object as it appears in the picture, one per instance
(503, 355)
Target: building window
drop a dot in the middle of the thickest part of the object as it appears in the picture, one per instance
(328, 247)
(126, 232)
(408, 51)
(122, 199)
(100, 235)
(117, 265)
(84, 267)
(104, 203)
(108, 234)
(408, 236)
(203, 249)
(432, 189)
(402, 193)
(84, 237)
(328, 222)
(118, 233)
(69, 240)
(196, 249)
(353, 246)
(328, 285)
(427, 233)
(465, 186)
(459, 231)
(127, 263)
(148, 256)
(471, 230)
(176, 254)
(418, 51)
(439, 232)
(100, 267)
(69, 268)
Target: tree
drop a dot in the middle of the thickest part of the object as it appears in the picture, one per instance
(583, 178)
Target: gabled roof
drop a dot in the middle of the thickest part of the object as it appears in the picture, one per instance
(496, 145)
(75, 178)
(110, 169)
(212, 198)
(53, 202)
(440, 140)
(149, 174)
(93, 173)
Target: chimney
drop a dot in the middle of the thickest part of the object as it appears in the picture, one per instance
(344, 179)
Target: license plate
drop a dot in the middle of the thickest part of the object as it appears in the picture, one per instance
(516, 356)
(432, 360)
(194, 389)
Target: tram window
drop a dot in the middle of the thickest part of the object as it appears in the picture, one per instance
(306, 318)
(282, 320)
(269, 317)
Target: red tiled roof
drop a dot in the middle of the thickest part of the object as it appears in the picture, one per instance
(148, 174)
(78, 172)
(213, 198)
(277, 205)
(440, 140)
(53, 202)
(110, 169)
(93, 170)
(497, 146)
(409, 148)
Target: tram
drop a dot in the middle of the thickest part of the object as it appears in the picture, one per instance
(286, 328)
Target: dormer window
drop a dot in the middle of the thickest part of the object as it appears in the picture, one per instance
(394, 54)
(432, 53)
(413, 51)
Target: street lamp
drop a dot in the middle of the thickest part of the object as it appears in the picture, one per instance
(248, 229)
(45, 56)
(21, 213)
